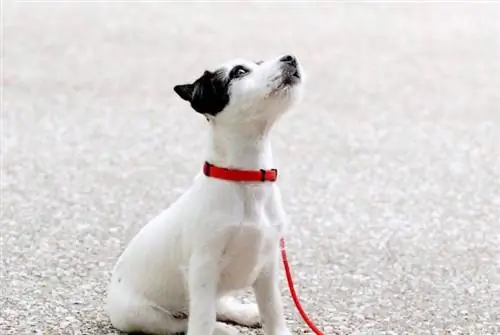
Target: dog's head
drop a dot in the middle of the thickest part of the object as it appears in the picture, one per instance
(242, 91)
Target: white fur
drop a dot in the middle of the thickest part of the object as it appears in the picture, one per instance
(217, 238)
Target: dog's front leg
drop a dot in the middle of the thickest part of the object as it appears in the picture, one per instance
(267, 294)
(203, 279)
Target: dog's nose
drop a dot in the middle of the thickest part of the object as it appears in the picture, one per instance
(289, 59)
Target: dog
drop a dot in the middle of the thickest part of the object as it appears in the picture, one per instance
(178, 274)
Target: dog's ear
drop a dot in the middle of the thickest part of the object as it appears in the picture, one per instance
(185, 91)
(207, 95)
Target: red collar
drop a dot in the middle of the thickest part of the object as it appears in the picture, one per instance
(239, 175)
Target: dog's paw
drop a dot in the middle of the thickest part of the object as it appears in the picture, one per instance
(232, 311)
(245, 315)
(224, 329)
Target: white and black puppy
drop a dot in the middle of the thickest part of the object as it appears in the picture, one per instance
(221, 236)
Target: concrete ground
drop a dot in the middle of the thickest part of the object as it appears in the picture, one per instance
(390, 166)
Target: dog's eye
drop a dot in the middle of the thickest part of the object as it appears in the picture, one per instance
(238, 71)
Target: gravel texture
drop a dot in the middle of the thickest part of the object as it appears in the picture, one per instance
(390, 166)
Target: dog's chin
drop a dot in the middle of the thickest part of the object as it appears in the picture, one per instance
(288, 85)
(287, 82)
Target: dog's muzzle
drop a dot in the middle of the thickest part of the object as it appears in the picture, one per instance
(290, 70)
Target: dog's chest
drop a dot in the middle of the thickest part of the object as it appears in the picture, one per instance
(252, 245)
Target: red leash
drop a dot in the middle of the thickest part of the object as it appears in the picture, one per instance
(293, 293)
(214, 171)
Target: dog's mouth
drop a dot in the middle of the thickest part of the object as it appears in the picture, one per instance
(291, 76)
(296, 73)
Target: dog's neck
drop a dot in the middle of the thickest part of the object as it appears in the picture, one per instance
(246, 148)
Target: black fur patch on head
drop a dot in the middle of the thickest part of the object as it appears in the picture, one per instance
(208, 95)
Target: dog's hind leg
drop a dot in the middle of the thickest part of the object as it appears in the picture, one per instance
(232, 311)
(135, 314)
(149, 320)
